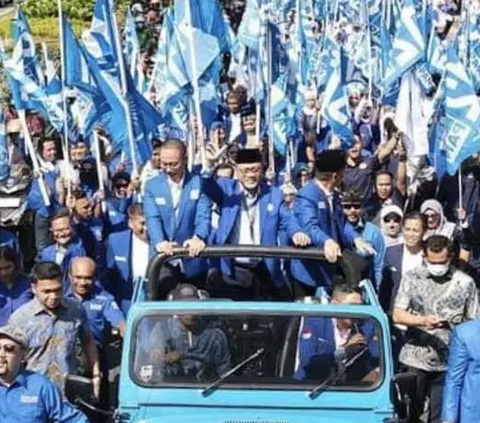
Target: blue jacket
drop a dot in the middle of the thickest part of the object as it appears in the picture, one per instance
(194, 216)
(312, 211)
(102, 311)
(227, 193)
(119, 265)
(7, 239)
(392, 275)
(115, 218)
(91, 234)
(373, 235)
(462, 382)
(317, 350)
(33, 398)
(74, 249)
(12, 299)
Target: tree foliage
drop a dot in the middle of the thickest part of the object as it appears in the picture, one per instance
(81, 10)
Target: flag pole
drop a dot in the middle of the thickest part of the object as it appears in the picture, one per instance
(126, 106)
(64, 100)
(33, 156)
(370, 61)
(271, 151)
(96, 149)
(190, 140)
(460, 188)
(195, 86)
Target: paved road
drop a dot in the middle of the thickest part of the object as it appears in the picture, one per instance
(6, 9)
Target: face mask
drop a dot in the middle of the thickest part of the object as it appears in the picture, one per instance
(438, 270)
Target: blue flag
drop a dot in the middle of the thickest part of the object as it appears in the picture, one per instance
(33, 94)
(280, 110)
(206, 16)
(131, 48)
(474, 50)
(462, 111)
(105, 62)
(90, 104)
(408, 46)
(27, 63)
(335, 102)
(250, 29)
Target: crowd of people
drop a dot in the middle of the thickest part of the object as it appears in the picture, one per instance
(68, 268)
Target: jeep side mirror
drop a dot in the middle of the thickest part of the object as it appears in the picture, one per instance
(404, 392)
(79, 389)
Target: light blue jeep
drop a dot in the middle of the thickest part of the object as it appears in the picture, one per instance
(220, 361)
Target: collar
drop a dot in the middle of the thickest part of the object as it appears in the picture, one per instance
(38, 308)
(325, 191)
(359, 226)
(20, 379)
(59, 247)
(138, 239)
(247, 194)
(175, 184)
(96, 289)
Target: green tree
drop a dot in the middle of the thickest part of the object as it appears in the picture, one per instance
(81, 10)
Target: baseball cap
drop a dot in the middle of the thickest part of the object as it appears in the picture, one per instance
(391, 209)
(17, 335)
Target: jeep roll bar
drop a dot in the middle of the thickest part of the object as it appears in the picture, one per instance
(228, 251)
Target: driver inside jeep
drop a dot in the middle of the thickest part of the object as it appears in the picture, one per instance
(188, 346)
(345, 346)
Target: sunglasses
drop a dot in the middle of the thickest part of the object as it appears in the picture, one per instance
(118, 186)
(352, 206)
(9, 348)
(396, 219)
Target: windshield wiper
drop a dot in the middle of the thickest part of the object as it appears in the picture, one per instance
(212, 387)
(335, 377)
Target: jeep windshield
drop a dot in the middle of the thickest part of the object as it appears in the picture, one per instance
(265, 351)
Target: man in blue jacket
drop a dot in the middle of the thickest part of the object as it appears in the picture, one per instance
(352, 207)
(127, 257)
(66, 245)
(177, 212)
(318, 210)
(251, 213)
(462, 383)
(88, 227)
(325, 343)
(115, 217)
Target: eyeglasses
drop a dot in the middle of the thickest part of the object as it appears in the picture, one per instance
(396, 219)
(352, 206)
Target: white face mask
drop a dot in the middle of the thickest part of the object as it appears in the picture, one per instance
(438, 270)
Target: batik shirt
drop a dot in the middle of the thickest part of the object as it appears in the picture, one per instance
(51, 337)
(452, 299)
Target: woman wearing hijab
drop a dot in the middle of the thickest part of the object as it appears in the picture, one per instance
(437, 224)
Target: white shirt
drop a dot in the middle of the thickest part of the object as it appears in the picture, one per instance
(411, 261)
(249, 224)
(176, 193)
(140, 256)
(236, 128)
(60, 253)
